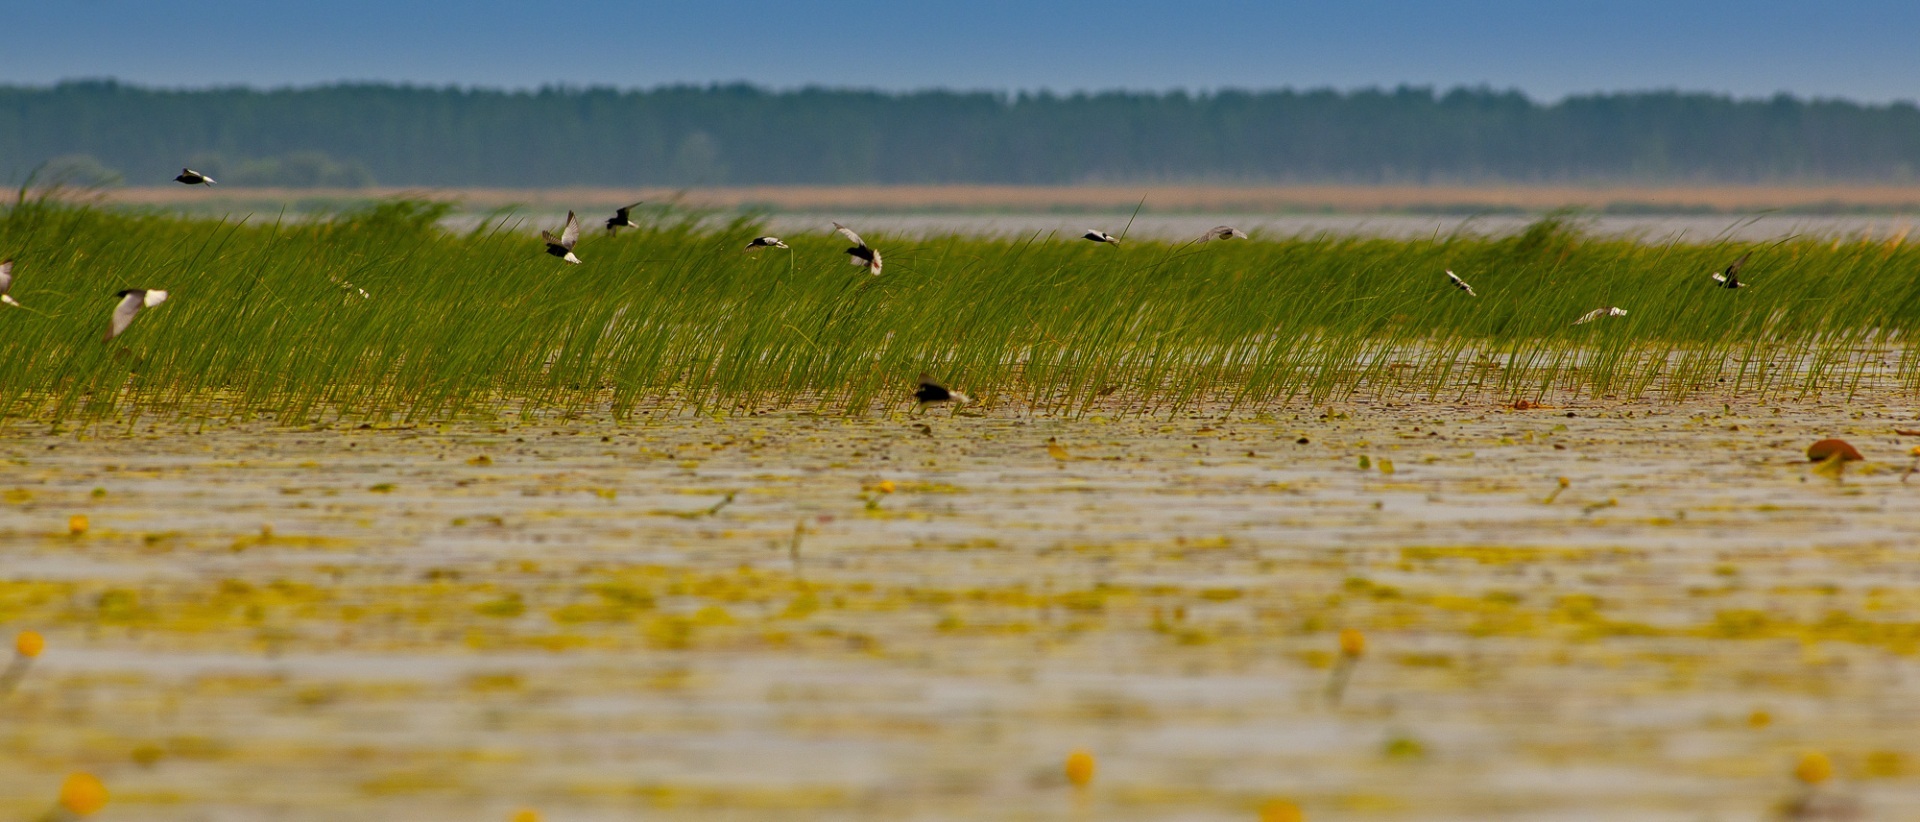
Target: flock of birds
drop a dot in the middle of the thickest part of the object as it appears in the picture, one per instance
(134, 300)
(1728, 278)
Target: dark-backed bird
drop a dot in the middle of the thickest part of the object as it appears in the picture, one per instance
(621, 219)
(6, 282)
(933, 393)
(1223, 232)
(766, 242)
(1460, 284)
(1730, 278)
(861, 253)
(1610, 311)
(562, 246)
(1100, 237)
(193, 178)
(131, 301)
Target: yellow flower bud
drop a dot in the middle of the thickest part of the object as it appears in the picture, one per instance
(1352, 642)
(29, 644)
(526, 815)
(1080, 768)
(77, 524)
(1281, 810)
(1814, 768)
(83, 794)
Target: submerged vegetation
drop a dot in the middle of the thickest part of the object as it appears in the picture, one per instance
(383, 312)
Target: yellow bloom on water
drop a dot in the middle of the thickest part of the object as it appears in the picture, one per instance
(884, 486)
(83, 794)
(29, 644)
(1352, 642)
(1814, 768)
(77, 524)
(1759, 718)
(1055, 450)
(526, 815)
(1281, 810)
(1080, 768)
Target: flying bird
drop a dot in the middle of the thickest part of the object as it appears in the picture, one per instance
(1223, 232)
(131, 301)
(621, 219)
(6, 282)
(1731, 277)
(562, 246)
(1597, 313)
(1101, 237)
(861, 253)
(1460, 284)
(933, 393)
(193, 178)
(773, 242)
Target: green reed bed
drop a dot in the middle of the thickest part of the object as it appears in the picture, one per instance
(675, 315)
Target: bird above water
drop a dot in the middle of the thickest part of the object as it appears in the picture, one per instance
(1460, 284)
(861, 253)
(562, 246)
(1730, 278)
(933, 393)
(193, 178)
(621, 219)
(131, 301)
(1100, 237)
(1223, 232)
(765, 242)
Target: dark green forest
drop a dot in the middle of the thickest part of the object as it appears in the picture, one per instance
(360, 134)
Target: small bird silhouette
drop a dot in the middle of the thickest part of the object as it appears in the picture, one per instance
(562, 246)
(1597, 313)
(193, 178)
(1460, 284)
(1730, 278)
(1223, 232)
(6, 283)
(861, 253)
(933, 393)
(765, 242)
(1100, 237)
(621, 219)
(131, 301)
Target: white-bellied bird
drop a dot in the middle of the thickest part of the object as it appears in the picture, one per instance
(193, 178)
(1460, 284)
(131, 301)
(6, 283)
(1610, 311)
(562, 246)
(621, 219)
(1223, 232)
(861, 253)
(765, 242)
(1730, 278)
(933, 393)
(1100, 237)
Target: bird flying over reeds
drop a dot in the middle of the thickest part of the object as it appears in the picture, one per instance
(131, 301)
(1460, 284)
(562, 246)
(861, 253)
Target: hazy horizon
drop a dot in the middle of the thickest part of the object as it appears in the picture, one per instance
(1854, 50)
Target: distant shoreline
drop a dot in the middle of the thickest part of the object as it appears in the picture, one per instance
(1162, 198)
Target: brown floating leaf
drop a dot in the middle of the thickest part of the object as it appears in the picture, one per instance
(1906, 432)
(1820, 451)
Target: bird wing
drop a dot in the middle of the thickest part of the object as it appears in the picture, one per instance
(123, 313)
(623, 211)
(570, 234)
(848, 233)
(1734, 269)
(6, 275)
(548, 236)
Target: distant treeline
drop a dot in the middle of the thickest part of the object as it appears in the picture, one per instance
(357, 134)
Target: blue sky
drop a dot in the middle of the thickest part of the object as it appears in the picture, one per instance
(1860, 49)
